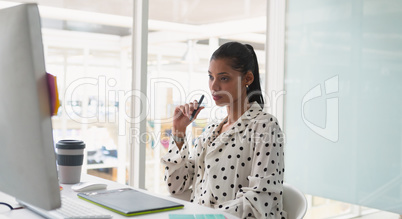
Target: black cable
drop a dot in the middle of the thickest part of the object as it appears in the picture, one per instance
(11, 207)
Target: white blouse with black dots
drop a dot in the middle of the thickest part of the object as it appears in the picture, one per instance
(239, 171)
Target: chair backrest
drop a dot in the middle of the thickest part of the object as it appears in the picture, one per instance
(294, 202)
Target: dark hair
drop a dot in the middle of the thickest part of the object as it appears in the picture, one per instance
(242, 58)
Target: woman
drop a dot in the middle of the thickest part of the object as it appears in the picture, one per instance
(237, 164)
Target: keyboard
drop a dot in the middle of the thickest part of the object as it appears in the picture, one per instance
(70, 209)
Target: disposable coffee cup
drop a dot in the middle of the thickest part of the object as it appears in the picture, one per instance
(70, 156)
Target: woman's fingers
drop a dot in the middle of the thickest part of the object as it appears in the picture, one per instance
(195, 104)
(188, 109)
(191, 109)
(183, 113)
(182, 110)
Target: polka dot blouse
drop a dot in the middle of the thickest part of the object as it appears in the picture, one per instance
(239, 171)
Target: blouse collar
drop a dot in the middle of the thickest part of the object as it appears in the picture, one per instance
(238, 127)
(241, 123)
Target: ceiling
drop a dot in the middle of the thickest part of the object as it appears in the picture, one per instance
(169, 20)
(198, 12)
(172, 23)
(193, 12)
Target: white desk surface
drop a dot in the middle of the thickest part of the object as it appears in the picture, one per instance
(189, 208)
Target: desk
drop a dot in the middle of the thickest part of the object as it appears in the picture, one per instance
(189, 208)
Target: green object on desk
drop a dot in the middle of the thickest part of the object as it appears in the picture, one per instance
(129, 202)
(196, 216)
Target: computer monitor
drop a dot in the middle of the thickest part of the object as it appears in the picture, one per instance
(27, 156)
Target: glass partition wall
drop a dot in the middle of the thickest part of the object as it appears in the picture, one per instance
(342, 108)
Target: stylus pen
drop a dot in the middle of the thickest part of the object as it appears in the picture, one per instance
(195, 111)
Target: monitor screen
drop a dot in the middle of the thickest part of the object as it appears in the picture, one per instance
(27, 158)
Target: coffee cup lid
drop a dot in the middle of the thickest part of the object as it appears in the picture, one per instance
(70, 144)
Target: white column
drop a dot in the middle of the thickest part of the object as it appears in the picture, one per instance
(275, 57)
(121, 139)
(139, 83)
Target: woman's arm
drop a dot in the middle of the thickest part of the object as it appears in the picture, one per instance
(181, 119)
(179, 170)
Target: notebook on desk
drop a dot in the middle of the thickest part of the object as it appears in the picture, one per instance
(129, 202)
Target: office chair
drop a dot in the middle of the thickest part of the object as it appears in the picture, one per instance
(294, 202)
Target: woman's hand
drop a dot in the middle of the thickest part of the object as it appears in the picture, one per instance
(181, 117)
